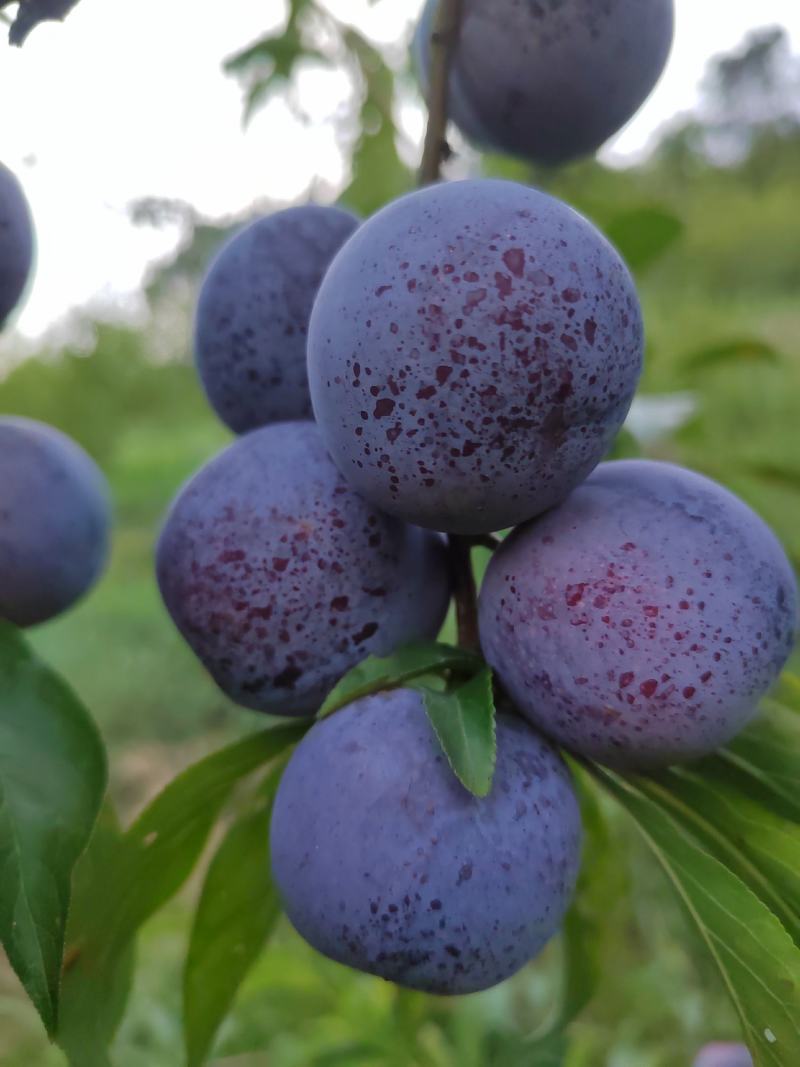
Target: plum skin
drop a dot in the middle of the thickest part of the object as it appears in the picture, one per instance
(548, 82)
(473, 351)
(281, 578)
(641, 622)
(251, 322)
(16, 243)
(724, 1054)
(387, 864)
(55, 519)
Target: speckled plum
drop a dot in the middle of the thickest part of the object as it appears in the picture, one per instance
(551, 80)
(281, 578)
(251, 324)
(55, 518)
(387, 864)
(724, 1054)
(16, 243)
(473, 351)
(640, 623)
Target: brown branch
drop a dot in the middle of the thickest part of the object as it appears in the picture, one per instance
(444, 38)
(465, 593)
(446, 26)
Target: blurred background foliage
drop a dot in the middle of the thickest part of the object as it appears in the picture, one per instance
(710, 225)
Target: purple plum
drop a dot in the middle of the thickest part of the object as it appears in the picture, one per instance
(281, 578)
(473, 351)
(724, 1054)
(641, 622)
(551, 80)
(387, 864)
(16, 243)
(55, 518)
(252, 315)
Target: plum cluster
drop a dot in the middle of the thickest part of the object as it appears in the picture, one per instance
(55, 513)
(455, 366)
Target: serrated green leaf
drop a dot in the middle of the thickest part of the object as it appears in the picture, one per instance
(390, 672)
(237, 912)
(464, 721)
(52, 781)
(644, 235)
(93, 997)
(758, 961)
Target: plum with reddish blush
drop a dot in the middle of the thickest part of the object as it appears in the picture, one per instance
(387, 864)
(281, 578)
(641, 622)
(550, 81)
(251, 324)
(473, 351)
(724, 1054)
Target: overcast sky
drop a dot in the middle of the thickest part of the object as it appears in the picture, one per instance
(127, 99)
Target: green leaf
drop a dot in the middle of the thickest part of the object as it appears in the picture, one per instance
(93, 996)
(782, 475)
(52, 781)
(759, 962)
(464, 721)
(787, 691)
(769, 751)
(714, 802)
(376, 674)
(744, 350)
(644, 235)
(379, 175)
(156, 855)
(625, 447)
(238, 909)
(586, 926)
(270, 61)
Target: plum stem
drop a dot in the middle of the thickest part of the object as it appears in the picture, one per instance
(443, 40)
(446, 26)
(465, 592)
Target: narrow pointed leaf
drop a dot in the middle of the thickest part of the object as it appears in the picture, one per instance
(153, 859)
(464, 721)
(769, 751)
(52, 781)
(237, 912)
(756, 957)
(761, 847)
(93, 996)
